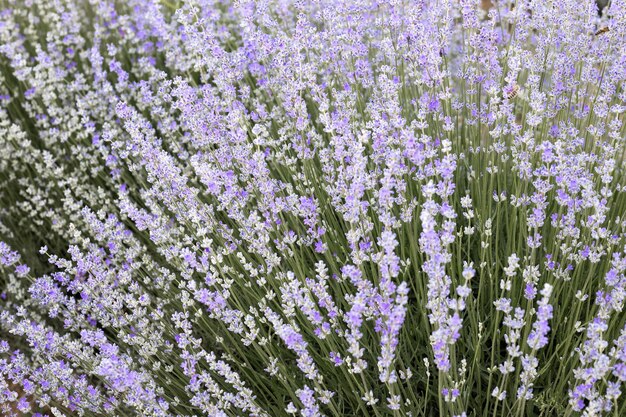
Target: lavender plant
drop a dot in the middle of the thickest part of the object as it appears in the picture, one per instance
(312, 208)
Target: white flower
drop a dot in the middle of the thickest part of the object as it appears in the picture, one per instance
(369, 398)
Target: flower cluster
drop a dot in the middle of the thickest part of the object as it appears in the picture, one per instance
(269, 208)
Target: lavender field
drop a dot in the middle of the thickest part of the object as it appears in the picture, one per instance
(312, 208)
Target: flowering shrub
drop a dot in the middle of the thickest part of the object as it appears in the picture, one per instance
(313, 208)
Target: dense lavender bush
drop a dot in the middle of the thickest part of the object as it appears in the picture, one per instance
(312, 208)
